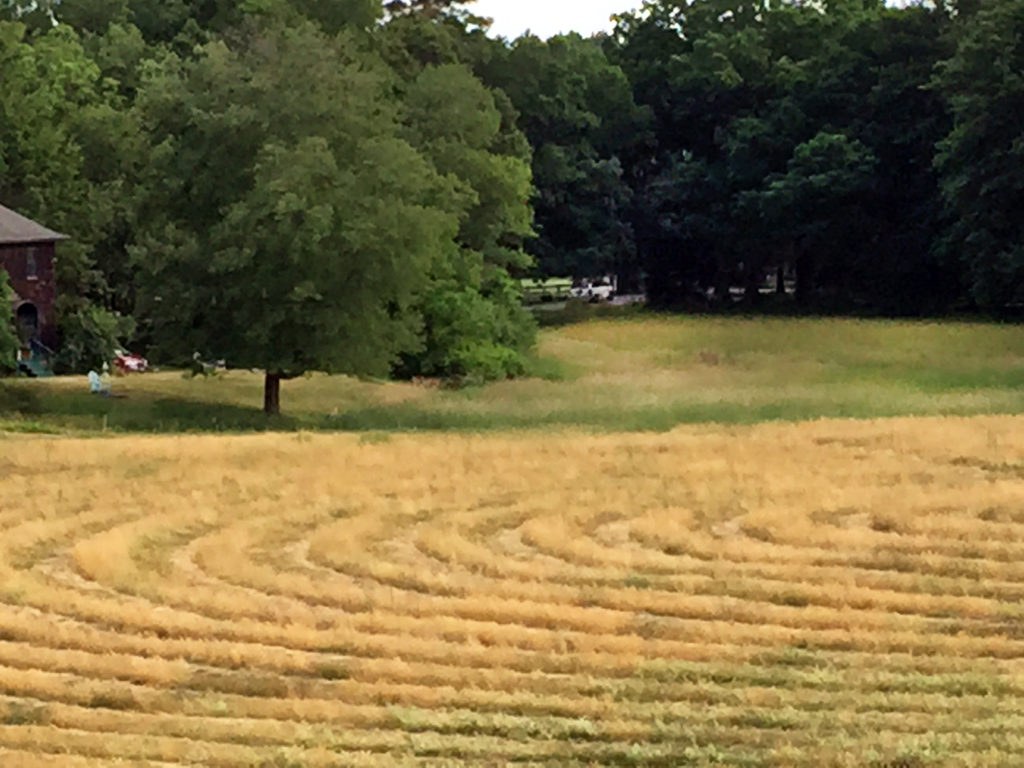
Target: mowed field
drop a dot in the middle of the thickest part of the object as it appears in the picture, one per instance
(834, 593)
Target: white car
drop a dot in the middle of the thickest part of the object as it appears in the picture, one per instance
(593, 290)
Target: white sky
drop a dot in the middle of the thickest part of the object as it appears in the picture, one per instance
(550, 17)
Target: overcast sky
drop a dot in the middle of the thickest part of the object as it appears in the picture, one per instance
(550, 17)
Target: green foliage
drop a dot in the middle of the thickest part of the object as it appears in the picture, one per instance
(67, 149)
(331, 16)
(8, 335)
(289, 227)
(473, 336)
(578, 112)
(817, 205)
(453, 119)
(744, 96)
(334, 15)
(475, 326)
(209, 147)
(89, 337)
(48, 81)
(981, 158)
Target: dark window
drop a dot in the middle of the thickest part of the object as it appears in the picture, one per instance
(31, 268)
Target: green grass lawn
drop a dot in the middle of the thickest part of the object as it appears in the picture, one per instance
(645, 372)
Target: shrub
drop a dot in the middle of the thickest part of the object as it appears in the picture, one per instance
(89, 336)
(472, 335)
(8, 337)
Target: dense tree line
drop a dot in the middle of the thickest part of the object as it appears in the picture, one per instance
(353, 185)
(861, 157)
(794, 138)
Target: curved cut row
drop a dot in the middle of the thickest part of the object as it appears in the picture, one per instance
(827, 594)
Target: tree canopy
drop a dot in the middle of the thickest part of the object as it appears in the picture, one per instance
(981, 158)
(289, 226)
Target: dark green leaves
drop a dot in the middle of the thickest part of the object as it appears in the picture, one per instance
(982, 157)
(8, 337)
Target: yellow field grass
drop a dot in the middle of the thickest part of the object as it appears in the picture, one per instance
(833, 593)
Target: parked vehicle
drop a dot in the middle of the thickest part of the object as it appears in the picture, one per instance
(546, 290)
(129, 362)
(594, 289)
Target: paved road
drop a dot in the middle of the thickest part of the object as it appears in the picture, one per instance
(629, 298)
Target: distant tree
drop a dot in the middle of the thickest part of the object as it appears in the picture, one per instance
(288, 226)
(880, 94)
(35, 13)
(816, 206)
(8, 336)
(981, 161)
(682, 223)
(66, 147)
(577, 110)
(475, 325)
(739, 90)
(335, 15)
(459, 10)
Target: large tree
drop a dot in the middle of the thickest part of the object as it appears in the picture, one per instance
(816, 208)
(578, 112)
(982, 158)
(64, 148)
(475, 327)
(742, 89)
(288, 227)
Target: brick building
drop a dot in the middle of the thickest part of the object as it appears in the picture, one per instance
(27, 254)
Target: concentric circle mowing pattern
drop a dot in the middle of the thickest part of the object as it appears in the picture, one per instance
(837, 593)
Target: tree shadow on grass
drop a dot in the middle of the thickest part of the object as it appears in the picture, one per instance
(56, 410)
(59, 411)
(65, 410)
(180, 415)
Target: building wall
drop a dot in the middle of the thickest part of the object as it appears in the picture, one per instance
(40, 289)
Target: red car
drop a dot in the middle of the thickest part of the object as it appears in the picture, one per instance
(129, 362)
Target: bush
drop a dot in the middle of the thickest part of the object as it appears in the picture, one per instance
(470, 335)
(89, 336)
(8, 336)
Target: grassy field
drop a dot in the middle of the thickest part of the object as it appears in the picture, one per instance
(648, 373)
(581, 582)
(838, 593)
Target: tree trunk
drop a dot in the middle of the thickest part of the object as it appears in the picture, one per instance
(753, 276)
(780, 280)
(723, 282)
(272, 394)
(805, 269)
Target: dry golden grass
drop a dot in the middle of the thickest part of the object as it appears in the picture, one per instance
(833, 593)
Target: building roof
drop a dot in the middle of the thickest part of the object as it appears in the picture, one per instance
(16, 229)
